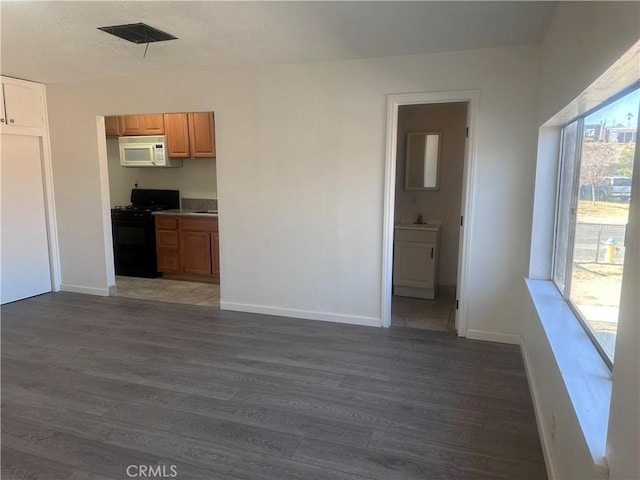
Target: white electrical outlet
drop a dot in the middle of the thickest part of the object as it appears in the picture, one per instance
(553, 427)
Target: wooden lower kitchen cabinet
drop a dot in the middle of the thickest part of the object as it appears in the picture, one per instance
(188, 245)
(195, 253)
(215, 255)
(167, 244)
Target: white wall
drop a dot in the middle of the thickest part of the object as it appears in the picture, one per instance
(196, 178)
(300, 172)
(568, 456)
(624, 421)
(450, 120)
(583, 42)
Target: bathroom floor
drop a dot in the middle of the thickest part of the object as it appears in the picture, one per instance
(174, 291)
(438, 314)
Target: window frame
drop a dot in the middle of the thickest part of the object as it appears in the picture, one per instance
(572, 217)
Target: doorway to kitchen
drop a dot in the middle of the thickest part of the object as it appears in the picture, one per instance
(162, 198)
(428, 192)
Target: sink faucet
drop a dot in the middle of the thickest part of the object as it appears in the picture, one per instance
(419, 220)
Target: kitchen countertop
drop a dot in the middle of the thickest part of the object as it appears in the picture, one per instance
(188, 213)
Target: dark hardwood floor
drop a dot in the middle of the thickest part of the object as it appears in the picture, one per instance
(93, 385)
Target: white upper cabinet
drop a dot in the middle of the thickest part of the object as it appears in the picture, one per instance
(22, 104)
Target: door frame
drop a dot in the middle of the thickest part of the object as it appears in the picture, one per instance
(394, 101)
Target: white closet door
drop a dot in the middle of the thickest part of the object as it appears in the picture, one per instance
(24, 251)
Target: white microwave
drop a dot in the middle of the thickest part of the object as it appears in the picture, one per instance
(145, 151)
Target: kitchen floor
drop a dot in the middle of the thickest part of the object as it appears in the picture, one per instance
(174, 291)
(438, 314)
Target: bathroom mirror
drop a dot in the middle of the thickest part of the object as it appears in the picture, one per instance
(422, 159)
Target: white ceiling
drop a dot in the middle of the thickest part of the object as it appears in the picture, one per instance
(58, 41)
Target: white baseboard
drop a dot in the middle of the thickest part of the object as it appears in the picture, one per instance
(306, 314)
(542, 432)
(493, 337)
(102, 292)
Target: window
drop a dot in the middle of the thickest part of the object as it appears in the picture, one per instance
(594, 191)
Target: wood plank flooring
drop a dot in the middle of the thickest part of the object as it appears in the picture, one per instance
(92, 385)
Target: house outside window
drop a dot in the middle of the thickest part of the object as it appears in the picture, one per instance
(594, 192)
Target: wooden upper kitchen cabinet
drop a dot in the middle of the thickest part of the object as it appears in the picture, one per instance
(202, 137)
(142, 125)
(190, 135)
(153, 124)
(131, 125)
(112, 126)
(177, 134)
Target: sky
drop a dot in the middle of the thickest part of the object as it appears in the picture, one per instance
(616, 113)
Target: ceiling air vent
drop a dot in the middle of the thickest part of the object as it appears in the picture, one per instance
(138, 33)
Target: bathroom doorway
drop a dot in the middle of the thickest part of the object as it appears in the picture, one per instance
(427, 206)
(424, 260)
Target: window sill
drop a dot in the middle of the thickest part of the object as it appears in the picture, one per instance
(584, 373)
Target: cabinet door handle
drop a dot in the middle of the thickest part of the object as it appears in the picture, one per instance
(11, 120)
(431, 253)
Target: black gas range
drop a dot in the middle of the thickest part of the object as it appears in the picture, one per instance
(134, 234)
